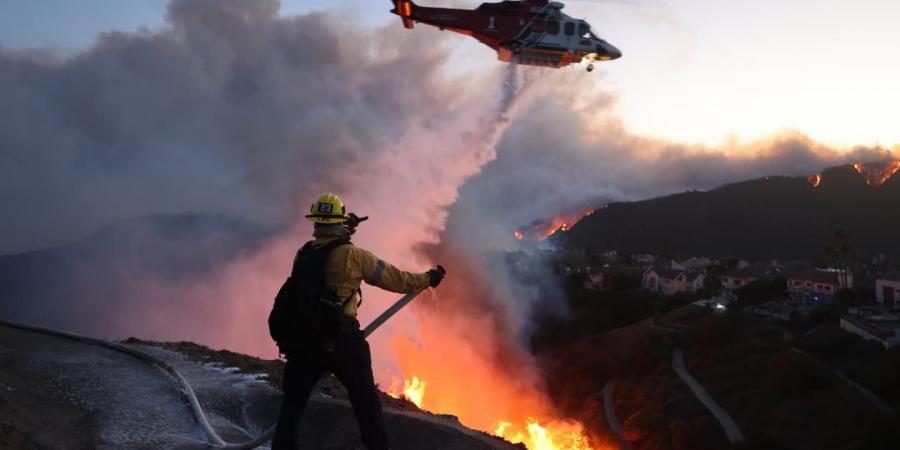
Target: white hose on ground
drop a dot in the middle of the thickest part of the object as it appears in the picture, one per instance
(215, 440)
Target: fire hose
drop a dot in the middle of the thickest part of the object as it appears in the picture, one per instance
(215, 440)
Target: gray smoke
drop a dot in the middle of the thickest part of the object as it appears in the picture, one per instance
(552, 161)
(548, 164)
(230, 108)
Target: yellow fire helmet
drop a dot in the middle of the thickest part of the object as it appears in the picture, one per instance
(328, 208)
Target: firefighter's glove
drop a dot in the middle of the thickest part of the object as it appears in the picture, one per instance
(436, 275)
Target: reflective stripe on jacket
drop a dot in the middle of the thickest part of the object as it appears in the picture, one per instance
(348, 266)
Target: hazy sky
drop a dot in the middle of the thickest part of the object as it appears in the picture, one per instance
(693, 70)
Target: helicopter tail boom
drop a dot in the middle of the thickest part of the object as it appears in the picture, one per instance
(404, 9)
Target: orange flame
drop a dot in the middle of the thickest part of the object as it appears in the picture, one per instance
(455, 366)
(413, 390)
(554, 436)
(815, 180)
(463, 347)
(876, 174)
(543, 229)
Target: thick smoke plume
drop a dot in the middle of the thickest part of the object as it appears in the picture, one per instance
(236, 110)
(233, 109)
(563, 155)
(229, 109)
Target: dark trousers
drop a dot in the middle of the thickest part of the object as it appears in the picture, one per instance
(351, 362)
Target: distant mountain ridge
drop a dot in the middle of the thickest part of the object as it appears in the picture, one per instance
(81, 286)
(772, 217)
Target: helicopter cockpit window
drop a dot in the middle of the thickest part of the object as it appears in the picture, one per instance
(569, 28)
(538, 26)
(584, 29)
(552, 27)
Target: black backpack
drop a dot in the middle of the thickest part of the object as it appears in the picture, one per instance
(306, 309)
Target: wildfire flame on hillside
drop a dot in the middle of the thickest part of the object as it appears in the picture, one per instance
(463, 362)
(562, 436)
(413, 390)
(876, 174)
(543, 229)
(535, 435)
(815, 180)
(556, 435)
(466, 351)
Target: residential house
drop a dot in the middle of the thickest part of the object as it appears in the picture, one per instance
(671, 281)
(740, 277)
(887, 290)
(736, 279)
(818, 286)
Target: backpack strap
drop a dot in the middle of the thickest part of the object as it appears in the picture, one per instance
(308, 252)
(300, 256)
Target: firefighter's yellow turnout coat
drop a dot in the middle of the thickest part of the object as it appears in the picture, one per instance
(348, 266)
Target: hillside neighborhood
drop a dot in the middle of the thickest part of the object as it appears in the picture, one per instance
(795, 290)
(765, 340)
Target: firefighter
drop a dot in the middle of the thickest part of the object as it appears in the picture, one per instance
(346, 354)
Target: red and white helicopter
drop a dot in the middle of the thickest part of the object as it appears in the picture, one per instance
(533, 32)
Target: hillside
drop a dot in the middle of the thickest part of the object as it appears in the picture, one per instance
(773, 217)
(779, 397)
(89, 285)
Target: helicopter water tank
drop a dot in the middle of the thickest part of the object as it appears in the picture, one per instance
(530, 57)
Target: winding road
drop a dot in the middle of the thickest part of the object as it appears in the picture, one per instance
(732, 431)
(612, 420)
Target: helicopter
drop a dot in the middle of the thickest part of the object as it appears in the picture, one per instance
(530, 32)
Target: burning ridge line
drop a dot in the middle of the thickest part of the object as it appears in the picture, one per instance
(540, 230)
(878, 173)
